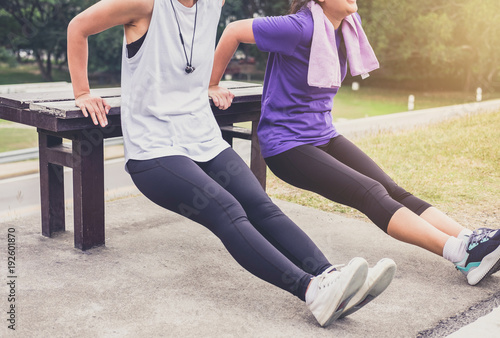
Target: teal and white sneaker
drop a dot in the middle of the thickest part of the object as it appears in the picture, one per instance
(482, 257)
(379, 278)
(329, 293)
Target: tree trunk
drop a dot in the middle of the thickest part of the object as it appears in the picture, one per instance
(45, 71)
(49, 66)
(468, 81)
(490, 79)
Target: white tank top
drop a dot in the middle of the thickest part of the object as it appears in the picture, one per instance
(165, 111)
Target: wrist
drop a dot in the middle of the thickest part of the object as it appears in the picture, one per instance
(77, 96)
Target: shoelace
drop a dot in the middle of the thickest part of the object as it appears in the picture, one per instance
(321, 278)
(479, 235)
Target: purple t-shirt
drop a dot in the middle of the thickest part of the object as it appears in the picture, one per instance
(293, 113)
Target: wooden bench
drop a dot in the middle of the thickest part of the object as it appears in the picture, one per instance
(56, 118)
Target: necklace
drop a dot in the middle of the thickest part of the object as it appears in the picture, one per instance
(189, 62)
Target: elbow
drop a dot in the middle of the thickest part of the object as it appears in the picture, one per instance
(74, 29)
(71, 29)
(241, 31)
(231, 31)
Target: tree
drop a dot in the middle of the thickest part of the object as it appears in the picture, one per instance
(243, 9)
(41, 27)
(479, 41)
(105, 53)
(436, 41)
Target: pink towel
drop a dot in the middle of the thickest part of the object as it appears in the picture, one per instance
(324, 65)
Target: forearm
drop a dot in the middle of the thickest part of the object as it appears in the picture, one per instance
(226, 48)
(234, 34)
(78, 59)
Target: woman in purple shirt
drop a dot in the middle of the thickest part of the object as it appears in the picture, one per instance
(302, 147)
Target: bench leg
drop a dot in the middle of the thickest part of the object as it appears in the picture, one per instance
(228, 138)
(88, 191)
(51, 187)
(257, 163)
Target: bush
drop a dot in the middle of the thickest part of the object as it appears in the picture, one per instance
(7, 57)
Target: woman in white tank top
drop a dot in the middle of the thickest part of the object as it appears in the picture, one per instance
(176, 156)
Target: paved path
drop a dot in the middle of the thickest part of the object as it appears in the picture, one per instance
(161, 275)
(486, 326)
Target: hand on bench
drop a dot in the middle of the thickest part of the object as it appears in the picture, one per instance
(221, 97)
(96, 106)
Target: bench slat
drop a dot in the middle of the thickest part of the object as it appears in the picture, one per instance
(67, 109)
(23, 100)
(238, 132)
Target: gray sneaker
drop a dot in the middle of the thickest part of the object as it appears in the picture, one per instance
(334, 289)
(379, 278)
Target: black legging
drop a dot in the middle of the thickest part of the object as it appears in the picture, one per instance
(341, 172)
(224, 196)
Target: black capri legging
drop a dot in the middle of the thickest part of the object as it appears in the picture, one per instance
(343, 173)
(224, 196)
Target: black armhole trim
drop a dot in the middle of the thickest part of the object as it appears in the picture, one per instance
(133, 47)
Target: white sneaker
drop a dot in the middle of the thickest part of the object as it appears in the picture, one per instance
(329, 293)
(379, 278)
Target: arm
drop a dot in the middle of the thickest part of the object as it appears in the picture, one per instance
(97, 18)
(235, 33)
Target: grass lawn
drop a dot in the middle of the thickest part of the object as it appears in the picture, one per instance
(17, 138)
(368, 101)
(27, 73)
(454, 166)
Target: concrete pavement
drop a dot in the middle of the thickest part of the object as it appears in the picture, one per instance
(161, 275)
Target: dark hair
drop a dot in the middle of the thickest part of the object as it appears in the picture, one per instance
(297, 5)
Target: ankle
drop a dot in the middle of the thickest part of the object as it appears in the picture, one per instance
(454, 249)
(464, 235)
(311, 290)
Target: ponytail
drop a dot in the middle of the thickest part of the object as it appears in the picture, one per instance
(297, 5)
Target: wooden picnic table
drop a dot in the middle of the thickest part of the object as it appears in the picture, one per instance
(56, 118)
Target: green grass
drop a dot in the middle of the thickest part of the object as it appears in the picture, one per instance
(368, 101)
(27, 73)
(454, 166)
(17, 138)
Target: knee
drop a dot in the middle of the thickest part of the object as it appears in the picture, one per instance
(367, 194)
(397, 193)
(262, 209)
(413, 203)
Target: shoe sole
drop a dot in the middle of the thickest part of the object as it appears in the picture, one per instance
(354, 281)
(384, 279)
(489, 265)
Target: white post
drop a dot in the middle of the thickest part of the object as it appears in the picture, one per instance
(479, 94)
(411, 102)
(355, 86)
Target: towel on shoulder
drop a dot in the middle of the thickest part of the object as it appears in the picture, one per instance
(324, 65)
